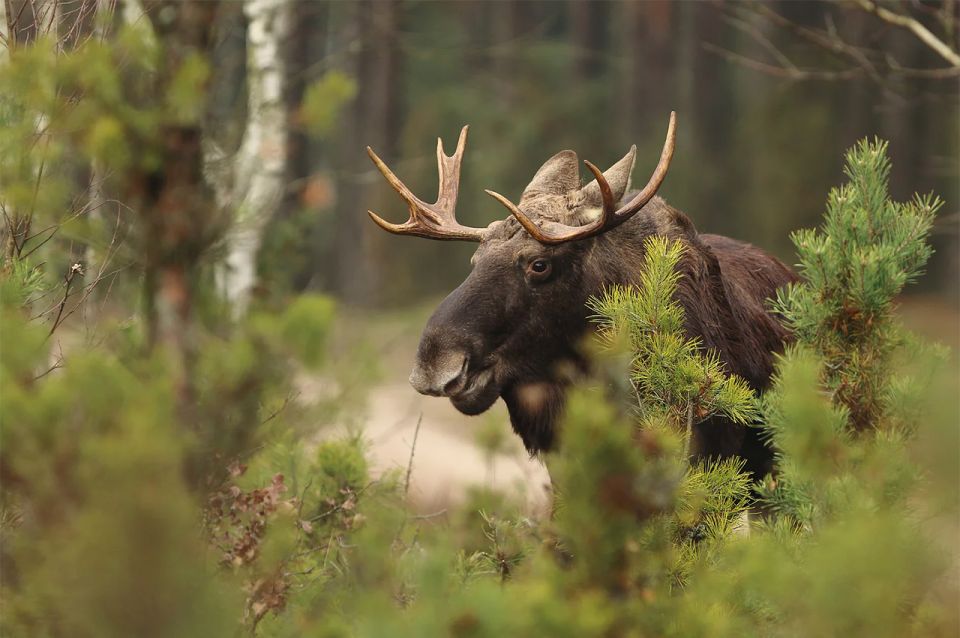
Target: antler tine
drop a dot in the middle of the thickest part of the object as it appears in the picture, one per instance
(449, 170)
(659, 174)
(550, 232)
(609, 205)
(404, 192)
(437, 220)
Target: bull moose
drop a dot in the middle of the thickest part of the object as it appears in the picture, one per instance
(512, 329)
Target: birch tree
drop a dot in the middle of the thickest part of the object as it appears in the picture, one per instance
(259, 167)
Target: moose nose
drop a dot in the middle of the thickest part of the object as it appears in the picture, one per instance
(441, 376)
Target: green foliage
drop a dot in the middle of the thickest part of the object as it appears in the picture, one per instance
(324, 99)
(849, 340)
(304, 328)
(868, 249)
(100, 522)
(851, 495)
(606, 486)
(186, 98)
(670, 373)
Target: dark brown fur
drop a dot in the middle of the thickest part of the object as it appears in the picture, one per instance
(512, 337)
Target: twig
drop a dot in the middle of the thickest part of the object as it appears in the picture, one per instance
(406, 480)
(763, 41)
(878, 65)
(15, 23)
(338, 507)
(828, 40)
(75, 269)
(56, 366)
(779, 71)
(286, 402)
(86, 293)
(54, 228)
(112, 250)
(686, 443)
(413, 447)
(303, 496)
(423, 517)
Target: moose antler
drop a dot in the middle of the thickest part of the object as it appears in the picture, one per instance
(556, 233)
(437, 220)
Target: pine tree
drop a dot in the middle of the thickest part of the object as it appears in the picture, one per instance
(868, 248)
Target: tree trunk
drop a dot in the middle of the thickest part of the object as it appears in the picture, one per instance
(260, 164)
(372, 121)
(305, 64)
(586, 34)
(647, 82)
(176, 203)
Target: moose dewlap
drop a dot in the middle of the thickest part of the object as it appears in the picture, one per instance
(511, 330)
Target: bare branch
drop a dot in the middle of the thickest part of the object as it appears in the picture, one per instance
(763, 40)
(877, 64)
(424, 517)
(829, 39)
(413, 447)
(779, 71)
(75, 269)
(56, 366)
(915, 27)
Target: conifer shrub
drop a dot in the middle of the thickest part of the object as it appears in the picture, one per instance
(868, 248)
(676, 384)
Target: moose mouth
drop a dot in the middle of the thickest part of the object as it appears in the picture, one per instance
(475, 392)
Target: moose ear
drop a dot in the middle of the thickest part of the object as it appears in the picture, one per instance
(559, 175)
(618, 177)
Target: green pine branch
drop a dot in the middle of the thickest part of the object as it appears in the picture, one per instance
(671, 374)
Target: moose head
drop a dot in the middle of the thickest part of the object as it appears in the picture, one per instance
(513, 327)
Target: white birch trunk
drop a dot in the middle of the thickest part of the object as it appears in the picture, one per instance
(260, 163)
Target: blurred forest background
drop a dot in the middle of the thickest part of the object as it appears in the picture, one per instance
(768, 97)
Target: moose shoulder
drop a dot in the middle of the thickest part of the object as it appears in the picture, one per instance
(513, 327)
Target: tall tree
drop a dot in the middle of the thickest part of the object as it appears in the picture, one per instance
(173, 198)
(646, 33)
(259, 172)
(308, 188)
(372, 120)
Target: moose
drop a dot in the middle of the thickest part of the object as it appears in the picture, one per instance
(513, 328)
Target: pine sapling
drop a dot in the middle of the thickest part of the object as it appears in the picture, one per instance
(868, 248)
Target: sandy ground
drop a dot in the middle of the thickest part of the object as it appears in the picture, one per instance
(447, 459)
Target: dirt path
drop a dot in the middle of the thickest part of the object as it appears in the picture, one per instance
(447, 459)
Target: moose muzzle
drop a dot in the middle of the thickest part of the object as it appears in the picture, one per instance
(439, 375)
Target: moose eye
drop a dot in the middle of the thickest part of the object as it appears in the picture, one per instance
(539, 268)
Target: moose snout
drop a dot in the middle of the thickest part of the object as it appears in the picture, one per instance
(442, 375)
